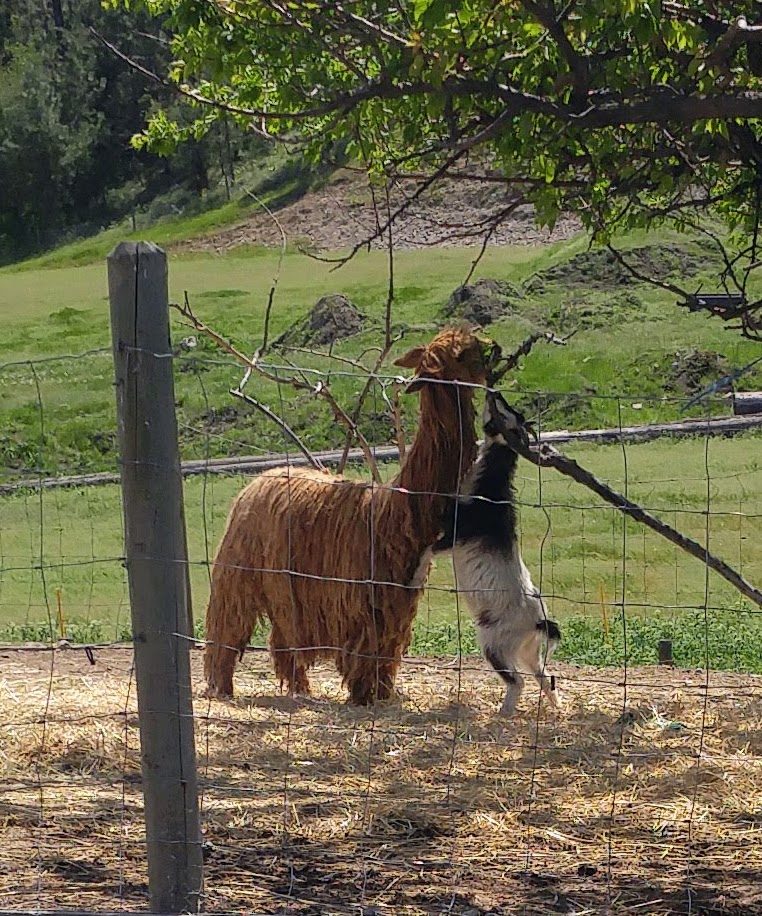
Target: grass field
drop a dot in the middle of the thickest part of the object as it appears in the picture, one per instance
(592, 568)
(630, 343)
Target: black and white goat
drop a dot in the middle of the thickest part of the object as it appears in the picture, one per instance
(512, 625)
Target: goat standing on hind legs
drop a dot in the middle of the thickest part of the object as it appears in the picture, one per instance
(512, 625)
(338, 566)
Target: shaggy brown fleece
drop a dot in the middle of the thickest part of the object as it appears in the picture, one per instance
(338, 565)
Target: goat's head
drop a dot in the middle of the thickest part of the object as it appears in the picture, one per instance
(503, 424)
(456, 354)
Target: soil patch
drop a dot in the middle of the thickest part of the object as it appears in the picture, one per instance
(482, 302)
(600, 270)
(332, 318)
(690, 371)
(341, 214)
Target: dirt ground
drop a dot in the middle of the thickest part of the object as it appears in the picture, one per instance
(644, 797)
(342, 214)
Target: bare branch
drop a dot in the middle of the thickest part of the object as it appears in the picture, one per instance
(270, 414)
(320, 389)
(396, 412)
(187, 313)
(503, 364)
(343, 417)
(662, 284)
(547, 456)
(185, 91)
(271, 295)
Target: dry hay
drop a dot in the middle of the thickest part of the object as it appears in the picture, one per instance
(430, 804)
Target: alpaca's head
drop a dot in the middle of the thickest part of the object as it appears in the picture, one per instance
(456, 354)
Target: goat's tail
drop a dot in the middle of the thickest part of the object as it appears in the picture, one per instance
(552, 632)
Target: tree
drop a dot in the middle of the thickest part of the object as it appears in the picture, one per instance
(68, 109)
(627, 113)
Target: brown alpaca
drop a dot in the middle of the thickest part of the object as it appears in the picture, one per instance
(337, 565)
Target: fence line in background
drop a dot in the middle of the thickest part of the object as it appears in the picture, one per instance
(245, 464)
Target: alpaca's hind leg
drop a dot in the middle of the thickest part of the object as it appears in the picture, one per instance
(225, 643)
(514, 682)
(289, 665)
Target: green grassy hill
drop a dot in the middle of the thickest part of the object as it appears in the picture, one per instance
(635, 358)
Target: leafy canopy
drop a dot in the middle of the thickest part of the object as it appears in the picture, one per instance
(628, 113)
(585, 99)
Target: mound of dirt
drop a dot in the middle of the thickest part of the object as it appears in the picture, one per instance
(482, 302)
(692, 370)
(599, 269)
(331, 318)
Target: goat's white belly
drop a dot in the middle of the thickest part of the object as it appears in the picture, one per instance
(493, 580)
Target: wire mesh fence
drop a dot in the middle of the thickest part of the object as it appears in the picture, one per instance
(642, 795)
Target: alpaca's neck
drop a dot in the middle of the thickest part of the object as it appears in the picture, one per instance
(444, 447)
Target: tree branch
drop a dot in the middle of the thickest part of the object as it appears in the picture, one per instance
(503, 364)
(547, 456)
(270, 414)
(658, 106)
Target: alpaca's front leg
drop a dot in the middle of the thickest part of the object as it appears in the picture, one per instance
(372, 681)
(370, 662)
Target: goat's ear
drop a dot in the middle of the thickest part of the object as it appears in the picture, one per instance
(411, 359)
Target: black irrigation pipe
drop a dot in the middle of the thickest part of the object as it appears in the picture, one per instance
(252, 464)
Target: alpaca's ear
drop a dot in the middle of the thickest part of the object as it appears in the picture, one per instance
(411, 359)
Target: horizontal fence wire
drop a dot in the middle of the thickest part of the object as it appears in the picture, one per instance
(641, 795)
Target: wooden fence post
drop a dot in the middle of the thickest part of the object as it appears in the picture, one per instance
(157, 570)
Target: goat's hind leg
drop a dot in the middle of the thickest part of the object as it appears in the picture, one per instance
(514, 682)
(545, 647)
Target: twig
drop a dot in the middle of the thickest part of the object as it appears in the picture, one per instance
(341, 415)
(187, 313)
(276, 279)
(495, 224)
(263, 408)
(389, 341)
(321, 389)
(186, 92)
(327, 354)
(662, 284)
(503, 364)
(403, 208)
(390, 291)
(547, 456)
(394, 406)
